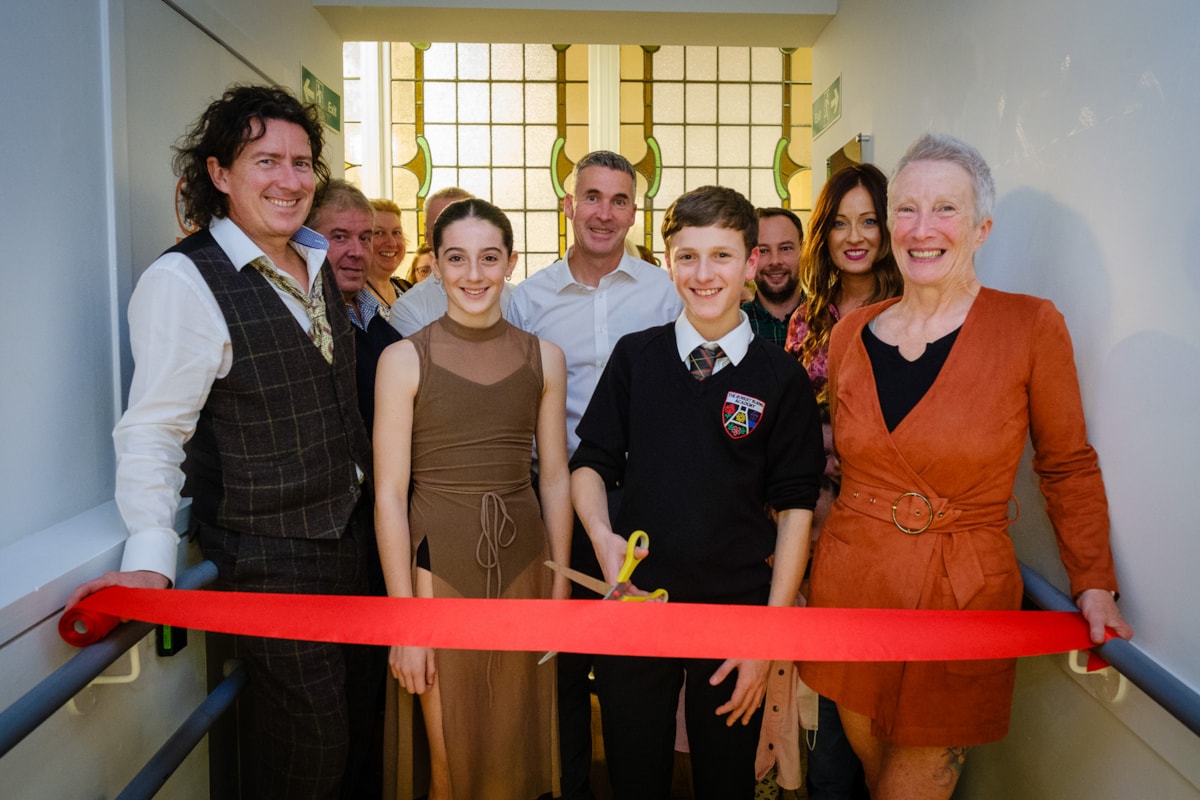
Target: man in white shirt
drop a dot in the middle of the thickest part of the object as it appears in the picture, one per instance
(584, 303)
(243, 398)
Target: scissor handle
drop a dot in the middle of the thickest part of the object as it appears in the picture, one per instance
(641, 598)
(636, 539)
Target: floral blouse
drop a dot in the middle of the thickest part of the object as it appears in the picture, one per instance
(818, 370)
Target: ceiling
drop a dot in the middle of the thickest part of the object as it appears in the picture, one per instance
(778, 23)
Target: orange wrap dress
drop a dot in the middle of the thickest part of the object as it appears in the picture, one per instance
(945, 475)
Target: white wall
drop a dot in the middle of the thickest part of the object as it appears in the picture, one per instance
(96, 93)
(1087, 112)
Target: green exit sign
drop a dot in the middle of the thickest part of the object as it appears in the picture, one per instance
(327, 101)
(827, 109)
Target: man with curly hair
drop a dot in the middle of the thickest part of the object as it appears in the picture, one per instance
(243, 399)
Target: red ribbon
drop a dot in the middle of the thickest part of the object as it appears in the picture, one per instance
(690, 630)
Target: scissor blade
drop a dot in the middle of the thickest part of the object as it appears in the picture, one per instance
(586, 581)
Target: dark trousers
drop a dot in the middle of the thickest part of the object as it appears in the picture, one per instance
(638, 701)
(297, 719)
(834, 771)
(574, 683)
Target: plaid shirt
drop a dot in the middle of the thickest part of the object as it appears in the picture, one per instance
(765, 324)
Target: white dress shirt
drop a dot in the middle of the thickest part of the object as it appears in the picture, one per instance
(180, 344)
(734, 344)
(587, 321)
(425, 302)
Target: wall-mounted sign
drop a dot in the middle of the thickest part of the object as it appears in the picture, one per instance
(827, 109)
(327, 101)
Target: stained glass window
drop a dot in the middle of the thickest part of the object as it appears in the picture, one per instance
(505, 121)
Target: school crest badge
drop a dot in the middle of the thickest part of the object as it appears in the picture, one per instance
(741, 414)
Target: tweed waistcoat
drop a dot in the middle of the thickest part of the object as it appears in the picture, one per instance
(278, 439)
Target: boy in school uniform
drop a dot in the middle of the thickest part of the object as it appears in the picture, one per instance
(705, 426)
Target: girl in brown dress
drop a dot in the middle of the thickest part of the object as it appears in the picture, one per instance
(458, 406)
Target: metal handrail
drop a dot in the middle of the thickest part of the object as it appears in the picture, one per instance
(39, 703)
(168, 758)
(1177, 698)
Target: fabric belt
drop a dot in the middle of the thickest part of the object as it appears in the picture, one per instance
(914, 513)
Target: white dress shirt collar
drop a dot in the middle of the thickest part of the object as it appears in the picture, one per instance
(735, 343)
(241, 250)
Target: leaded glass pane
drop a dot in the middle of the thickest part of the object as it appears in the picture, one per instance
(508, 146)
(632, 107)
(473, 62)
(404, 190)
(509, 188)
(508, 102)
(738, 179)
(440, 102)
(733, 145)
(443, 144)
(539, 191)
(766, 64)
(539, 141)
(762, 188)
(802, 104)
(733, 103)
(577, 142)
(404, 106)
(763, 139)
(540, 102)
(800, 146)
(443, 177)
(701, 101)
(476, 181)
(508, 62)
(519, 225)
(577, 63)
(441, 60)
(577, 103)
(540, 226)
(668, 102)
(474, 145)
(701, 63)
(800, 187)
(404, 143)
(633, 141)
(632, 62)
(802, 66)
(699, 176)
(766, 104)
(670, 141)
(541, 62)
(474, 102)
(668, 64)
(403, 61)
(734, 64)
(701, 146)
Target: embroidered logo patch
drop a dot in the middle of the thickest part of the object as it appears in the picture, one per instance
(741, 414)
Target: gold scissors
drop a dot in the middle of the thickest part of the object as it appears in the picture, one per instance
(619, 590)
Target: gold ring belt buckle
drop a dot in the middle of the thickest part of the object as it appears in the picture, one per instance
(928, 522)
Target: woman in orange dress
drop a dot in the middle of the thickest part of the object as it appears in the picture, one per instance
(933, 396)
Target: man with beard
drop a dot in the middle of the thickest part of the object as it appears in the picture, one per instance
(780, 234)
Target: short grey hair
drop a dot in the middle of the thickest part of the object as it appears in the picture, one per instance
(944, 147)
(607, 159)
(338, 195)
